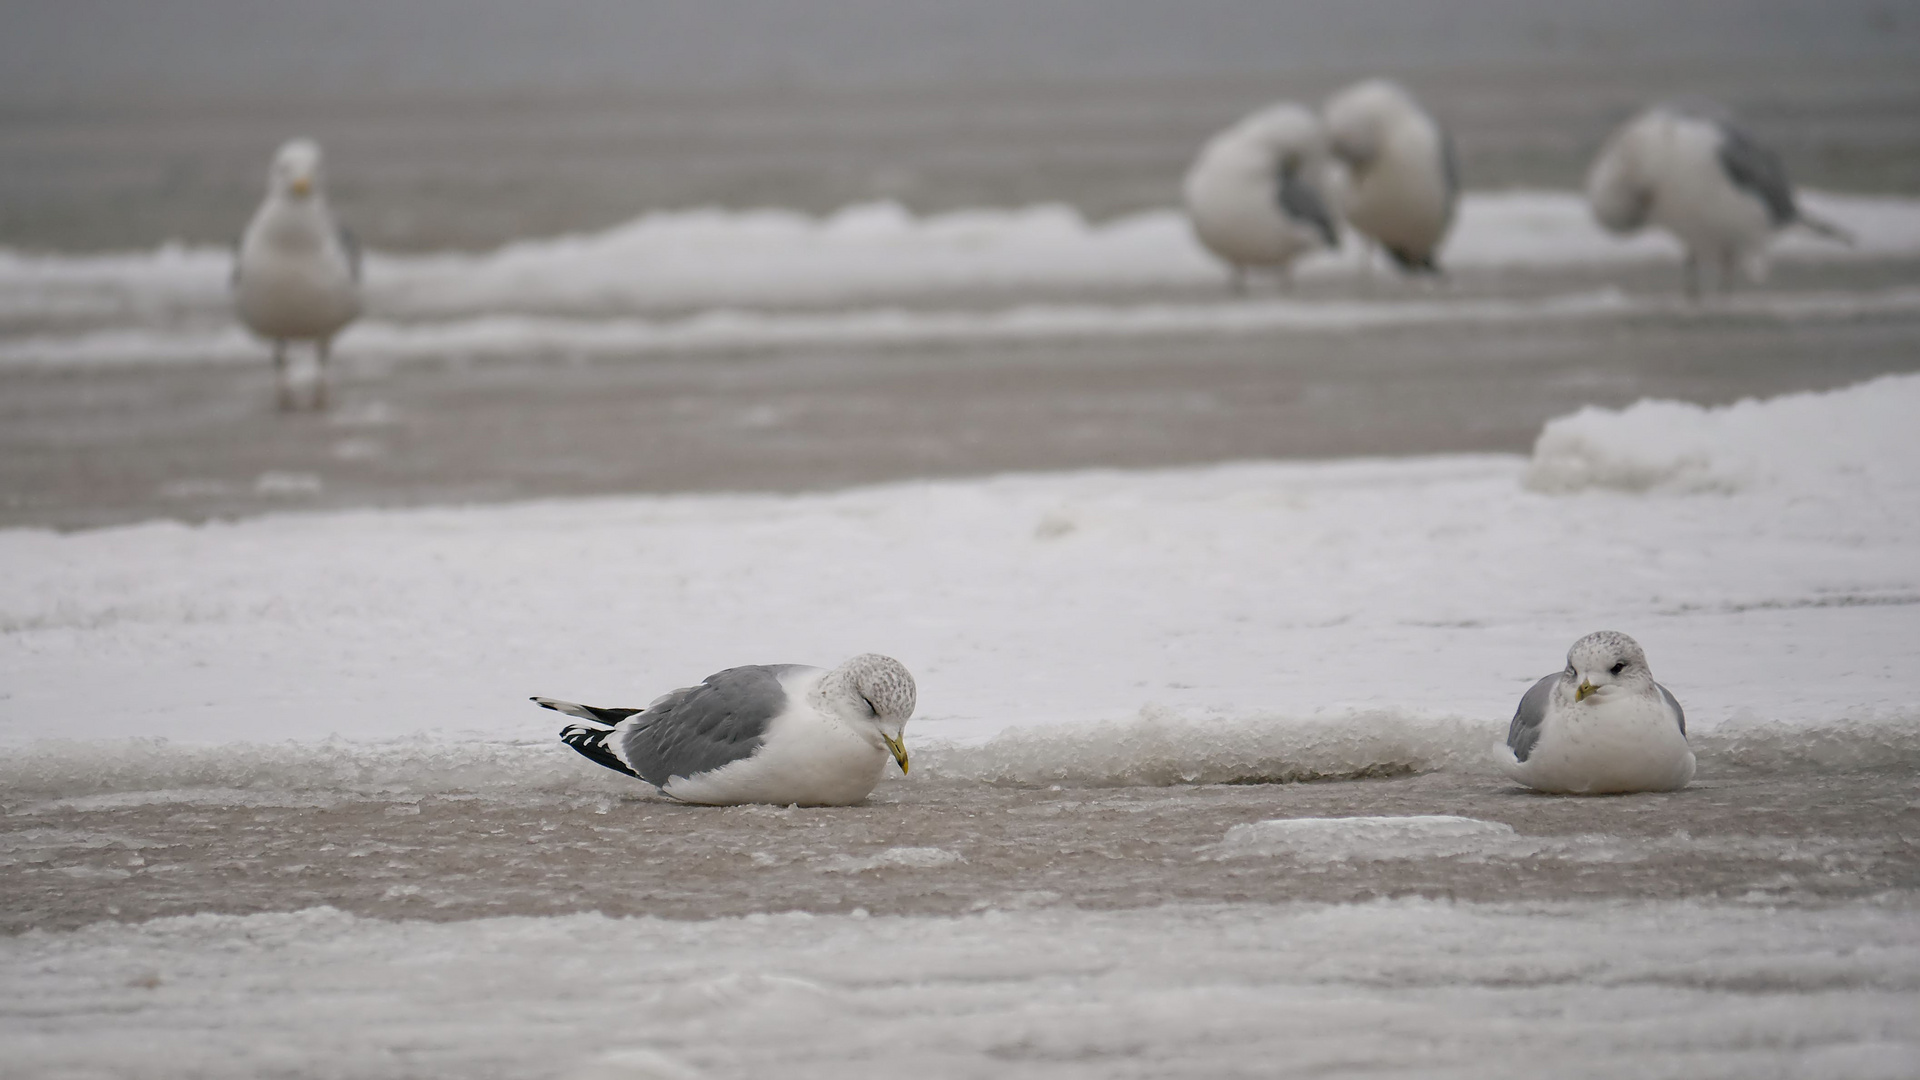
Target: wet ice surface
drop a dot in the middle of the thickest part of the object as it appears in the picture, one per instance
(952, 847)
(1754, 925)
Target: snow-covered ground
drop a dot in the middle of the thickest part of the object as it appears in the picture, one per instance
(1422, 988)
(1194, 624)
(704, 280)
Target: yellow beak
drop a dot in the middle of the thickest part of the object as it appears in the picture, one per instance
(899, 748)
(1585, 689)
(301, 185)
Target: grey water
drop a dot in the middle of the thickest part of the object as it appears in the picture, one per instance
(470, 123)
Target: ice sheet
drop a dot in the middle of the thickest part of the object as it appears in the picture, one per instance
(1395, 987)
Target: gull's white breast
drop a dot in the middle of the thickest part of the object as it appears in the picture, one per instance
(1696, 201)
(1610, 743)
(296, 281)
(1402, 199)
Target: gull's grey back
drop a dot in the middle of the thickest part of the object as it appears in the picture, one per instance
(1679, 713)
(1757, 170)
(697, 729)
(1300, 201)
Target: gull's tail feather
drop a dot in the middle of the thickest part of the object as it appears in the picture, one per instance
(591, 742)
(1826, 228)
(608, 717)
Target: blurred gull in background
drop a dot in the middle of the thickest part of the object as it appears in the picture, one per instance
(1404, 184)
(297, 277)
(1710, 184)
(1257, 196)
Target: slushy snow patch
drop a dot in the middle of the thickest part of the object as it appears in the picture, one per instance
(908, 858)
(1349, 839)
(1865, 434)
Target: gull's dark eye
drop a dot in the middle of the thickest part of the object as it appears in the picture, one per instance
(870, 706)
(1619, 667)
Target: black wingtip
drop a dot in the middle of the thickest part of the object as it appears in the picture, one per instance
(591, 744)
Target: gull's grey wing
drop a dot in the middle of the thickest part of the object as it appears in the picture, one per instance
(1301, 201)
(1757, 171)
(697, 729)
(1678, 712)
(350, 244)
(1525, 729)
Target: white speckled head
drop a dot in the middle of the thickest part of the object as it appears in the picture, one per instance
(875, 691)
(1605, 660)
(296, 170)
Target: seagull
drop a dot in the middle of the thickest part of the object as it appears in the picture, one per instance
(1696, 175)
(297, 276)
(1403, 183)
(1257, 194)
(784, 734)
(1602, 726)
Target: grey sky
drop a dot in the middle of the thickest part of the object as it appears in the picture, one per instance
(80, 49)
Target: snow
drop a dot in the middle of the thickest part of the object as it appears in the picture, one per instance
(710, 279)
(1863, 435)
(1407, 986)
(1247, 621)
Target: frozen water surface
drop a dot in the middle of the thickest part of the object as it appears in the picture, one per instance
(1801, 836)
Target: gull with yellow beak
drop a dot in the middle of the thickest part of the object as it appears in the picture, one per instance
(297, 276)
(1602, 726)
(784, 734)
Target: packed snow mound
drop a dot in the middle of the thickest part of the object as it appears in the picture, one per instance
(1860, 434)
(1159, 747)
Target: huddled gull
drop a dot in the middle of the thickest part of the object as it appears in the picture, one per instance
(1601, 726)
(1402, 181)
(1257, 195)
(297, 275)
(784, 734)
(1693, 173)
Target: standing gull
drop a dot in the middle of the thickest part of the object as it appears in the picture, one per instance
(1707, 182)
(1602, 726)
(776, 733)
(1403, 183)
(1257, 194)
(297, 277)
